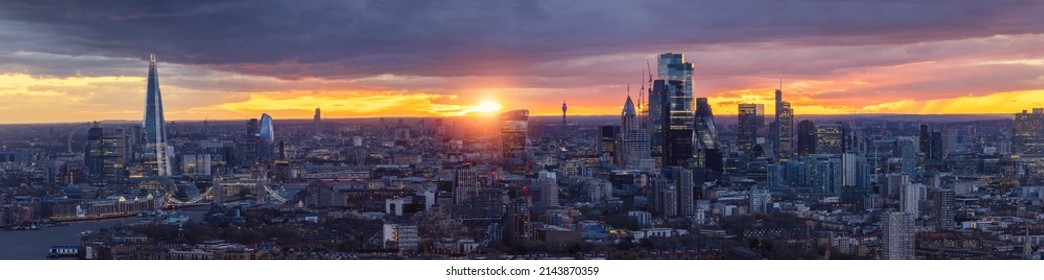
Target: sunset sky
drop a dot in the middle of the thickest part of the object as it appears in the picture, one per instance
(65, 61)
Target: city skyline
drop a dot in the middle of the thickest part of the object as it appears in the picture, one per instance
(933, 58)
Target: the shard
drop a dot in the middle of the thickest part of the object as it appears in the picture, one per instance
(158, 154)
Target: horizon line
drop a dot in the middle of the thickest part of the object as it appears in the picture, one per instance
(494, 115)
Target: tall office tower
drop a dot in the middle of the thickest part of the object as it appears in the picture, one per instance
(266, 135)
(657, 120)
(671, 111)
(906, 151)
(925, 139)
(685, 190)
(949, 142)
(806, 138)
(158, 154)
(316, 119)
(514, 127)
(1027, 134)
(671, 121)
(672, 66)
(936, 146)
(785, 131)
(608, 143)
(252, 128)
(633, 141)
(897, 236)
(830, 139)
(548, 185)
(707, 152)
(751, 123)
(517, 222)
(909, 198)
(943, 208)
(105, 154)
(465, 185)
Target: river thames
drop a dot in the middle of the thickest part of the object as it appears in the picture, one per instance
(33, 244)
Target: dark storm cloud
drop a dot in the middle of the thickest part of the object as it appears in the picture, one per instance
(293, 39)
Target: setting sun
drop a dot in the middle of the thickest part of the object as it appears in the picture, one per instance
(487, 107)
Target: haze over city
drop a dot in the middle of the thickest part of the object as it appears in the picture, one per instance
(235, 60)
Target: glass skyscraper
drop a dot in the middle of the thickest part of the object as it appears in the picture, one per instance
(158, 154)
(751, 123)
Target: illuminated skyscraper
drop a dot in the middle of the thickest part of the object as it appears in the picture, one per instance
(105, 154)
(707, 152)
(784, 145)
(158, 154)
(1027, 135)
(751, 123)
(706, 133)
(830, 139)
(671, 111)
(267, 137)
(514, 126)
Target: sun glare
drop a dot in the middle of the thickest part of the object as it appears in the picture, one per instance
(487, 107)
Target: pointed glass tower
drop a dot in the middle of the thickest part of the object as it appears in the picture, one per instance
(158, 154)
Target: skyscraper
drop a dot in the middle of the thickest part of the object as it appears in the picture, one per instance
(608, 143)
(785, 131)
(906, 151)
(548, 185)
(158, 154)
(925, 139)
(806, 138)
(686, 194)
(671, 113)
(633, 141)
(830, 139)
(266, 135)
(105, 153)
(949, 142)
(316, 120)
(897, 236)
(751, 123)
(943, 208)
(909, 199)
(707, 151)
(1027, 134)
(671, 119)
(514, 126)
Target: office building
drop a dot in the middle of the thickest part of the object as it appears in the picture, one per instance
(806, 138)
(548, 186)
(106, 153)
(514, 126)
(830, 139)
(1027, 135)
(906, 151)
(751, 124)
(607, 143)
(784, 145)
